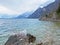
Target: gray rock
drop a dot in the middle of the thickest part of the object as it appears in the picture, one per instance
(19, 39)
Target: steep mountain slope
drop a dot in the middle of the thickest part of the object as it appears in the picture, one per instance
(24, 15)
(37, 13)
(48, 9)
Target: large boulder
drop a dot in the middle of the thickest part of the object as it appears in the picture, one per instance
(20, 39)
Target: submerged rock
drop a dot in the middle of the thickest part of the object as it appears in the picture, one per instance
(40, 43)
(19, 39)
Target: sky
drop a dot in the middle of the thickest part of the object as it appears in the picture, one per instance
(15, 7)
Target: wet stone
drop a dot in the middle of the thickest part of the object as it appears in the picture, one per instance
(40, 43)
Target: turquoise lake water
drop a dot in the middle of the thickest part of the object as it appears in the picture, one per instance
(33, 26)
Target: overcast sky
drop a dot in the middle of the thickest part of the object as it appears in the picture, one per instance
(21, 6)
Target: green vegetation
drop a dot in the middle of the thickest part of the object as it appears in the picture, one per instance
(58, 12)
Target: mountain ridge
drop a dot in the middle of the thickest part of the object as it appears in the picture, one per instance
(48, 9)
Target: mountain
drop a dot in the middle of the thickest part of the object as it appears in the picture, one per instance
(24, 15)
(45, 10)
(37, 13)
(52, 7)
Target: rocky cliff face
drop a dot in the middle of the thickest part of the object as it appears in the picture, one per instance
(51, 12)
(50, 9)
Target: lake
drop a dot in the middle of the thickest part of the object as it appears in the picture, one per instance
(40, 29)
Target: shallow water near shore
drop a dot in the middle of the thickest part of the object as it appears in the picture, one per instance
(33, 26)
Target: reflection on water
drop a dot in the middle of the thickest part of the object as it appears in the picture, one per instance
(40, 29)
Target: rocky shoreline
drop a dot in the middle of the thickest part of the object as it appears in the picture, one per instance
(28, 39)
(50, 17)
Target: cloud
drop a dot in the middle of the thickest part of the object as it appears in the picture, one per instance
(21, 6)
(4, 10)
(32, 5)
